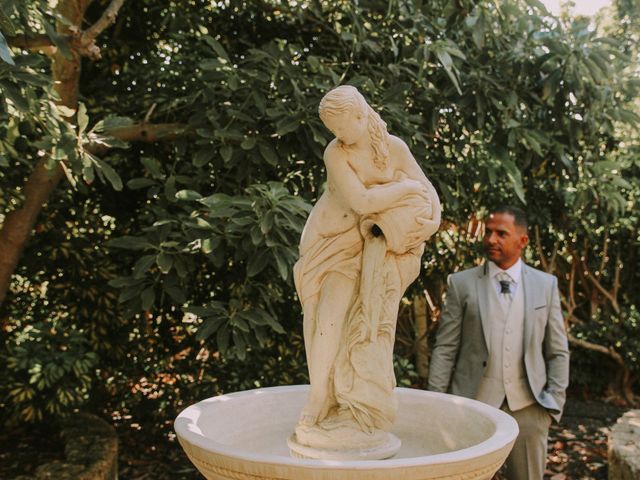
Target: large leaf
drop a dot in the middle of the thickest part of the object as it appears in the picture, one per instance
(5, 53)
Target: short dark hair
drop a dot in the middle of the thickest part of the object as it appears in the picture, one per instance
(519, 217)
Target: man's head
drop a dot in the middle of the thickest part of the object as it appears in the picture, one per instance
(505, 236)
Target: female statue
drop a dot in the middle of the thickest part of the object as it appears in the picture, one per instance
(360, 249)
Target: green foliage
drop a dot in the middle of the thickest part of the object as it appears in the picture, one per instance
(49, 372)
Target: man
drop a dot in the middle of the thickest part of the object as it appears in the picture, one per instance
(502, 341)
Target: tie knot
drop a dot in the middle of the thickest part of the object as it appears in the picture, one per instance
(505, 282)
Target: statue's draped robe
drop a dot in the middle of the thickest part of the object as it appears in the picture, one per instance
(362, 376)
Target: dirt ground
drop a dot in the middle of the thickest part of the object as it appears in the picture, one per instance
(577, 447)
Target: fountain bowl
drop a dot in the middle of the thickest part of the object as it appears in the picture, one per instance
(244, 436)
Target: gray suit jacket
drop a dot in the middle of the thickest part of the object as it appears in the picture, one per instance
(460, 355)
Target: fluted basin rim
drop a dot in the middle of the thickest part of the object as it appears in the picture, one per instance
(505, 432)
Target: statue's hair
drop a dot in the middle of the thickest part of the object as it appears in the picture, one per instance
(344, 98)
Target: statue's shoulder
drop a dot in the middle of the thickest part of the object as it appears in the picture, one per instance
(334, 152)
(396, 143)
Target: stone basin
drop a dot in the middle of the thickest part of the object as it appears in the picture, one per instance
(244, 435)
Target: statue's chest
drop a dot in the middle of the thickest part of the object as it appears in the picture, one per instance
(367, 172)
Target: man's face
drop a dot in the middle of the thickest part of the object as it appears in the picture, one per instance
(503, 240)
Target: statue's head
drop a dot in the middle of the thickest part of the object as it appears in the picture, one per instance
(341, 100)
(347, 114)
(344, 111)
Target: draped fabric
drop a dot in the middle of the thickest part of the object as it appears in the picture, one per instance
(341, 253)
(362, 375)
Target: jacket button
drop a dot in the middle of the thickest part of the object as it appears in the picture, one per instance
(484, 364)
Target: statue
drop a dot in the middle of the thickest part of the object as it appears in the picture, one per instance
(359, 251)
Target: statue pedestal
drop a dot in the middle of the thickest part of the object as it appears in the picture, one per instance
(387, 449)
(244, 435)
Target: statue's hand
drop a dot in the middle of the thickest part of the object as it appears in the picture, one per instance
(361, 334)
(414, 186)
(427, 228)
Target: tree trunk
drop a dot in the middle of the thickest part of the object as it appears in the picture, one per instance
(18, 224)
(422, 349)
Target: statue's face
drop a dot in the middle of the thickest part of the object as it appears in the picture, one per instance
(348, 127)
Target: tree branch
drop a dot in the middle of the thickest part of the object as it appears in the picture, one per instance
(31, 42)
(605, 249)
(550, 264)
(141, 132)
(108, 17)
(596, 283)
(609, 352)
(88, 37)
(616, 275)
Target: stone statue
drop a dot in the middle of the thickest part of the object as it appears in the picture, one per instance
(359, 251)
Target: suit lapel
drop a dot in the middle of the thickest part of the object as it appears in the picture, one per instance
(482, 286)
(529, 291)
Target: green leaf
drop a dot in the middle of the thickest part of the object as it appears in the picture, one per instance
(628, 116)
(447, 63)
(111, 123)
(257, 262)
(217, 47)
(5, 23)
(209, 327)
(287, 125)
(268, 154)
(5, 53)
(222, 339)
(539, 5)
(282, 264)
(138, 183)
(515, 177)
(143, 265)
(14, 94)
(88, 173)
(203, 156)
(83, 119)
(164, 261)
(129, 243)
(170, 188)
(478, 32)
(176, 293)
(111, 175)
(226, 151)
(147, 298)
(153, 167)
(188, 195)
(266, 222)
(130, 293)
(248, 143)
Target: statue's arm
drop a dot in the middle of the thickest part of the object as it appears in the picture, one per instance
(448, 339)
(409, 166)
(361, 200)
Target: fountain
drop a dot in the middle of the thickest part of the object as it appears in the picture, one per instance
(360, 249)
(244, 435)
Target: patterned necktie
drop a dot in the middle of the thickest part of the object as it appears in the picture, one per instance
(505, 287)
